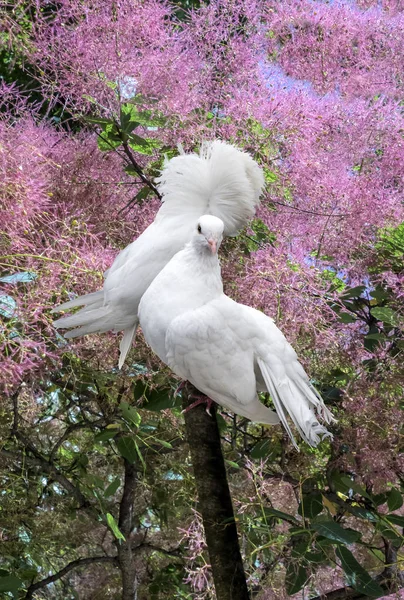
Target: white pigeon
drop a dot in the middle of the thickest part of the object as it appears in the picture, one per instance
(222, 181)
(228, 351)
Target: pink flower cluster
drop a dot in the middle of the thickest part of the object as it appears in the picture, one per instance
(312, 89)
(61, 228)
(338, 47)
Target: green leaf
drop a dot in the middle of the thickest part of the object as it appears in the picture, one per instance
(94, 481)
(296, 577)
(261, 449)
(163, 443)
(221, 422)
(113, 525)
(333, 531)
(379, 294)
(139, 389)
(128, 118)
(28, 573)
(345, 317)
(98, 120)
(161, 399)
(155, 121)
(385, 314)
(278, 514)
(112, 132)
(262, 235)
(105, 435)
(362, 513)
(127, 448)
(145, 117)
(356, 575)
(270, 176)
(106, 144)
(142, 195)
(10, 583)
(300, 545)
(143, 145)
(130, 414)
(140, 455)
(232, 464)
(112, 488)
(379, 499)
(352, 485)
(354, 292)
(396, 519)
(153, 142)
(89, 98)
(147, 427)
(316, 558)
(130, 170)
(311, 505)
(395, 499)
(391, 534)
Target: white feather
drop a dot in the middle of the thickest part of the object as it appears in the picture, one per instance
(220, 180)
(227, 350)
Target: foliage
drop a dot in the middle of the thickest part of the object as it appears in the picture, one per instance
(94, 96)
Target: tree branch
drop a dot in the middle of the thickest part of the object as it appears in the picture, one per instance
(214, 500)
(40, 461)
(75, 564)
(68, 431)
(137, 168)
(125, 555)
(310, 212)
(177, 552)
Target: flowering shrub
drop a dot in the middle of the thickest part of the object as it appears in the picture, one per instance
(314, 91)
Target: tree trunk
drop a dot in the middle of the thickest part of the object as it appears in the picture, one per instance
(125, 557)
(214, 501)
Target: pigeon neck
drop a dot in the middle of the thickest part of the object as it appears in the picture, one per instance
(204, 254)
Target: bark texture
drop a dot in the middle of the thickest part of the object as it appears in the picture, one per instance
(125, 555)
(214, 500)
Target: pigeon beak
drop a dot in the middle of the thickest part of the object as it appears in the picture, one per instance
(212, 245)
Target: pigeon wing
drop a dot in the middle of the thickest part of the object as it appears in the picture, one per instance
(203, 348)
(286, 380)
(227, 350)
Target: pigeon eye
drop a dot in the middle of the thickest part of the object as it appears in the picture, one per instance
(199, 229)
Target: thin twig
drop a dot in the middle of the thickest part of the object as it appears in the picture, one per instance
(139, 170)
(310, 212)
(68, 431)
(49, 469)
(75, 564)
(320, 242)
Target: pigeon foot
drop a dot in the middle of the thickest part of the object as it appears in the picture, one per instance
(200, 399)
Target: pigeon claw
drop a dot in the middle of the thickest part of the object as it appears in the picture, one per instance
(202, 399)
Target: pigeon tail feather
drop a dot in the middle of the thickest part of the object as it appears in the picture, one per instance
(297, 398)
(126, 343)
(95, 318)
(86, 300)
